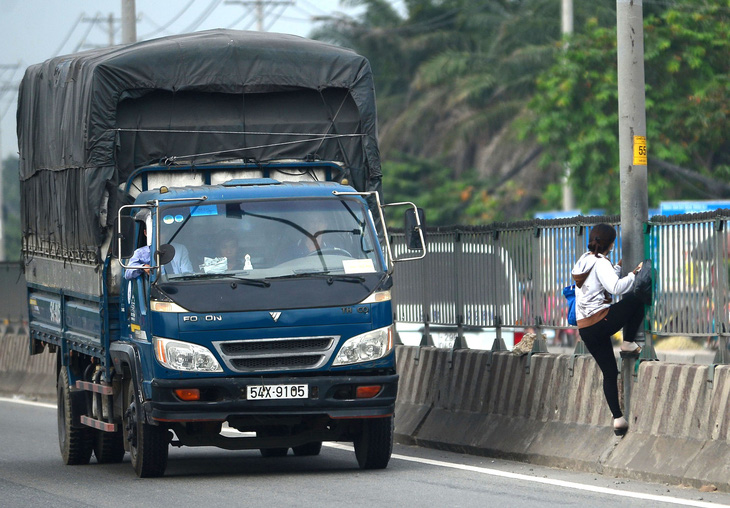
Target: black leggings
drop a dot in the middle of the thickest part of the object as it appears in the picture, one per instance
(626, 314)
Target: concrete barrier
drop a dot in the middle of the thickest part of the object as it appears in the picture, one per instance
(680, 426)
(557, 416)
(22, 374)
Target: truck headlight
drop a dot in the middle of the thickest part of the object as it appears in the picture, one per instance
(179, 355)
(366, 347)
(377, 297)
(159, 306)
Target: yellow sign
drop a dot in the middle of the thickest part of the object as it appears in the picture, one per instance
(639, 151)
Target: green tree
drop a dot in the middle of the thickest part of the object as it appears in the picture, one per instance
(452, 76)
(470, 91)
(575, 109)
(11, 208)
(432, 187)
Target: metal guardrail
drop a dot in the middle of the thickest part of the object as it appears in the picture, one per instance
(511, 275)
(692, 279)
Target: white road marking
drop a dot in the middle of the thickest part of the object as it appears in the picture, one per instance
(28, 402)
(483, 470)
(546, 481)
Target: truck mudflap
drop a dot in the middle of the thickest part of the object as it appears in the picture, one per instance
(218, 399)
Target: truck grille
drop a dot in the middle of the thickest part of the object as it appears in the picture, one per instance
(287, 362)
(260, 355)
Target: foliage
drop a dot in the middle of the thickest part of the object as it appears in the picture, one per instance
(466, 200)
(453, 76)
(687, 70)
(11, 208)
(582, 86)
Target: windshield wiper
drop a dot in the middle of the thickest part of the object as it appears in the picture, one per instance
(245, 280)
(322, 275)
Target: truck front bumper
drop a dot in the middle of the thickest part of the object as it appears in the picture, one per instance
(223, 398)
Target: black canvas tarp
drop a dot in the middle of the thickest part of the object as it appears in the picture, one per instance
(87, 121)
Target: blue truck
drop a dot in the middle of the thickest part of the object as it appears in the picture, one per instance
(205, 248)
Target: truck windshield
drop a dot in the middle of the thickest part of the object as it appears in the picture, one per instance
(269, 239)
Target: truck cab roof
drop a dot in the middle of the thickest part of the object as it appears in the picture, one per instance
(255, 188)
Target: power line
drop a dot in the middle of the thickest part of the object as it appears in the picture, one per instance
(260, 4)
(163, 28)
(158, 28)
(110, 21)
(312, 6)
(9, 85)
(10, 67)
(68, 35)
(240, 18)
(276, 17)
(7, 108)
(295, 19)
(310, 17)
(201, 19)
(92, 22)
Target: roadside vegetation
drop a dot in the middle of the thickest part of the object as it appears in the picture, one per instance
(482, 104)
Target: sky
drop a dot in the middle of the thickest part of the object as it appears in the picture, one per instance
(32, 31)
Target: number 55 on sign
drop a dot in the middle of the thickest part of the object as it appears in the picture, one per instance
(639, 151)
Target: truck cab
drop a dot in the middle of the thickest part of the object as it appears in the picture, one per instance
(266, 307)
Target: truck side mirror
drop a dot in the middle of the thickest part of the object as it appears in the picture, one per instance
(165, 254)
(125, 233)
(415, 229)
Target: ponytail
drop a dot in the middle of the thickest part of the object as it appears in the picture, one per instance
(600, 238)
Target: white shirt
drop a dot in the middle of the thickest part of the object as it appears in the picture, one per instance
(593, 290)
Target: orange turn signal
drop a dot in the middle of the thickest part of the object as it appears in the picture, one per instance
(367, 392)
(187, 394)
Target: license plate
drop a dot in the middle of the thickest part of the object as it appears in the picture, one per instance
(270, 392)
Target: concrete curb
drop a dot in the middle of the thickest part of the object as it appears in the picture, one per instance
(680, 430)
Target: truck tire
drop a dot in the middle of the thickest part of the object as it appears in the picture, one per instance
(74, 441)
(148, 444)
(274, 452)
(374, 445)
(108, 447)
(308, 450)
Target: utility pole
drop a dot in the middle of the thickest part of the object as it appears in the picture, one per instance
(259, 5)
(566, 24)
(129, 22)
(632, 158)
(110, 23)
(566, 29)
(632, 130)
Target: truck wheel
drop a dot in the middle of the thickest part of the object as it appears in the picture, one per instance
(375, 443)
(307, 450)
(75, 441)
(274, 452)
(108, 447)
(148, 444)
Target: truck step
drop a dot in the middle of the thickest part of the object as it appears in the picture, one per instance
(96, 388)
(98, 424)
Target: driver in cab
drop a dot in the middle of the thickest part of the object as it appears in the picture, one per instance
(140, 260)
